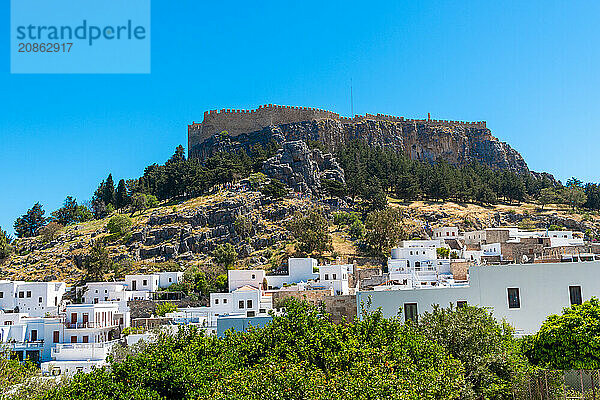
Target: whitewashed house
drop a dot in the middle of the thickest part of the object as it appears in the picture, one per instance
(335, 277)
(445, 232)
(146, 283)
(299, 270)
(34, 298)
(523, 294)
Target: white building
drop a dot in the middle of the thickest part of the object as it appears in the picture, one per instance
(76, 340)
(237, 278)
(34, 298)
(166, 279)
(95, 292)
(336, 277)
(299, 270)
(445, 232)
(152, 282)
(146, 282)
(522, 294)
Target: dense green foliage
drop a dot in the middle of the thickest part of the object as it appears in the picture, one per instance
(568, 341)
(97, 262)
(30, 223)
(163, 308)
(298, 356)
(71, 212)
(487, 350)
(225, 255)
(393, 172)
(119, 225)
(199, 282)
(385, 228)
(19, 381)
(5, 244)
(311, 230)
(275, 189)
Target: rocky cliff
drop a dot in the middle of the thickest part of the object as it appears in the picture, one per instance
(301, 168)
(425, 140)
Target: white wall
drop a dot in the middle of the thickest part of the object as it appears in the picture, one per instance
(166, 279)
(240, 277)
(151, 282)
(299, 270)
(544, 290)
(445, 232)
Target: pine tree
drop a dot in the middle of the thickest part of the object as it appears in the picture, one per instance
(121, 197)
(108, 191)
(29, 224)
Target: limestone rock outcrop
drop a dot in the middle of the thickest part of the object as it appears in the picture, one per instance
(301, 168)
(459, 144)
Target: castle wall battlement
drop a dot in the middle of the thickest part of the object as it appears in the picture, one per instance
(236, 121)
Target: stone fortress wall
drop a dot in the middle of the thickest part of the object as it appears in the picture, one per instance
(236, 122)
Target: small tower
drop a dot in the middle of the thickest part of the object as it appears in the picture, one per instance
(428, 116)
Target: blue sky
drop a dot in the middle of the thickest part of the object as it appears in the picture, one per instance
(530, 69)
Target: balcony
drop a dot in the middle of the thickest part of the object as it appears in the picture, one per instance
(90, 325)
(82, 351)
(27, 345)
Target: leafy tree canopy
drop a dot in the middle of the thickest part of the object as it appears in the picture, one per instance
(568, 341)
(29, 224)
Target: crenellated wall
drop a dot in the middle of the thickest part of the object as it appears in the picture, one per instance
(236, 122)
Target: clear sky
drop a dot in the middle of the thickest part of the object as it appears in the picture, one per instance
(530, 69)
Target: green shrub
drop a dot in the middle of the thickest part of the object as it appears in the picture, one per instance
(119, 225)
(301, 355)
(225, 255)
(163, 308)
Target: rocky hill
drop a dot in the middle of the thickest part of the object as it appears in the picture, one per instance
(170, 237)
(459, 143)
(180, 235)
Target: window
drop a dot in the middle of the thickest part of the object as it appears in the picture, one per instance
(410, 312)
(333, 276)
(170, 280)
(514, 301)
(40, 299)
(575, 294)
(55, 337)
(21, 295)
(453, 233)
(224, 301)
(461, 303)
(241, 304)
(253, 276)
(29, 293)
(216, 301)
(7, 323)
(1, 295)
(73, 339)
(73, 318)
(85, 339)
(145, 283)
(34, 335)
(326, 277)
(55, 301)
(248, 303)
